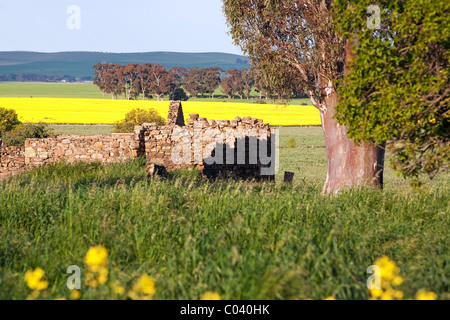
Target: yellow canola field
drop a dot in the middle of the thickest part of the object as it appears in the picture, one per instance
(99, 111)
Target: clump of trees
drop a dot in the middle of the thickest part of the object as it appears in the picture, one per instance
(148, 80)
(133, 80)
(202, 81)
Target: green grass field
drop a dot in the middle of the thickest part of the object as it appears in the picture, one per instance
(242, 240)
(90, 91)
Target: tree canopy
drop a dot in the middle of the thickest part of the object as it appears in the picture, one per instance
(398, 89)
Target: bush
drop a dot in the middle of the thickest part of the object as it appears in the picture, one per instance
(19, 134)
(8, 120)
(259, 101)
(137, 117)
(291, 143)
(179, 94)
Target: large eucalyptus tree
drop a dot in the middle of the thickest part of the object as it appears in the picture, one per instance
(301, 35)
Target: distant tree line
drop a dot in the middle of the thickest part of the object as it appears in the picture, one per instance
(147, 80)
(28, 77)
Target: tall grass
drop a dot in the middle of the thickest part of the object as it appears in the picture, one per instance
(243, 240)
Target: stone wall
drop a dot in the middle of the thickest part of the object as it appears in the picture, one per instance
(240, 148)
(12, 160)
(72, 148)
(217, 148)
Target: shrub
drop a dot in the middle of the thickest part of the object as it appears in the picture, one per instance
(291, 143)
(259, 101)
(179, 94)
(8, 120)
(137, 117)
(19, 134)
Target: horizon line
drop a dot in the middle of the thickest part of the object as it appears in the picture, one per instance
(109, 52)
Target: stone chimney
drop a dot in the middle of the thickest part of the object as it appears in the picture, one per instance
(175, 116)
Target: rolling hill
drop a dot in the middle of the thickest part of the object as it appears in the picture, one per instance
(79, 64)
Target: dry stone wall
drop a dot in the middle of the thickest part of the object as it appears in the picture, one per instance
(12, 160)
(72, 148)
(217, 148)
(241, 148)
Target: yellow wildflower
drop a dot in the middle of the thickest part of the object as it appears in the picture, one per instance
(34, 279)
(102, 275)
(388, 269)
(376, 293)
(422, 294)
(389, 273)
(330, 298)
(117, 288)
(96, 257)
(143, 289)
(210, 295)
(75, 294)
(397, 281)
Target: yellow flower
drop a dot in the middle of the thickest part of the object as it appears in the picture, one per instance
(376, 293)
(389, 273)
(102, 275)
(398, 294)
(210, 295)
(422, 294)
(330, 298)
(397, 281)
(34, 279)
(388, 269)
(91, 280)
(96, 257)
(143, 289)
(117, 288)
(61, 298)
(75, 294)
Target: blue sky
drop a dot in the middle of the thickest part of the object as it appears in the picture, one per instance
(115, 26)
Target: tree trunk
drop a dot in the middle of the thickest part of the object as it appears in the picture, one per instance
(348, 164)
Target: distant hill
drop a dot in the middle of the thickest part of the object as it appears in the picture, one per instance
(79, 64)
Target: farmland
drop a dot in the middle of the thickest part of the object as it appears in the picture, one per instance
(95, 111)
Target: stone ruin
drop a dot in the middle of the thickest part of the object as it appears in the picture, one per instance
(242, 148)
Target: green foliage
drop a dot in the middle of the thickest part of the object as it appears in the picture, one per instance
(19, 134)
(137, 117)
(291, 143)
(8, 120)
(398, 87)
(179, 94)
